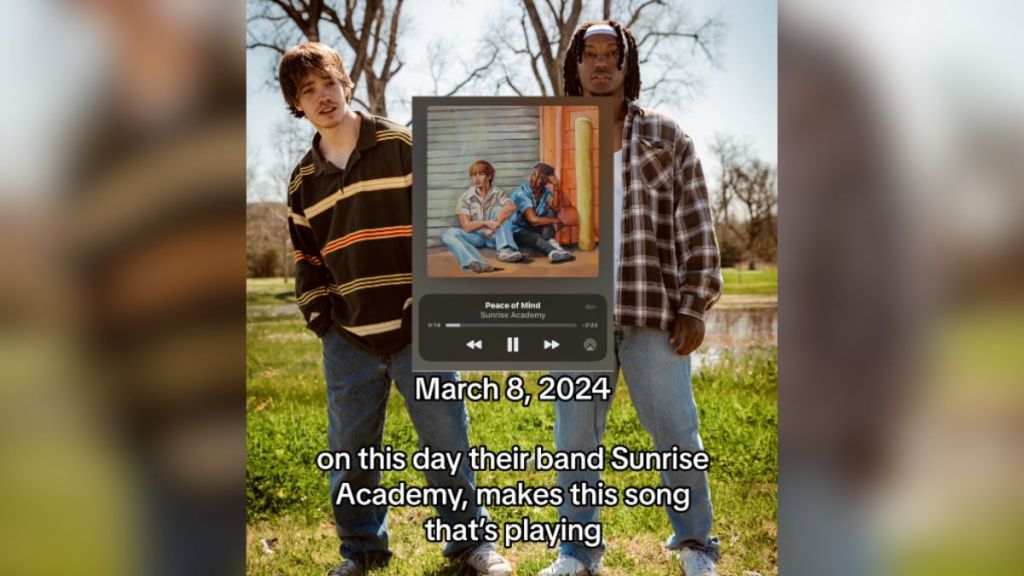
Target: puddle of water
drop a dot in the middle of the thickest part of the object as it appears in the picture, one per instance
(736, 331)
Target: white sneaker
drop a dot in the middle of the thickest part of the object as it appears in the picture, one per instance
(557, 256)
(509, 255)
(566, 566)
(487, 562)
(696, 563)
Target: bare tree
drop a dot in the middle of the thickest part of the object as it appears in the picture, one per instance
(439, 63)
(368, 31)
(535, 37)
(292, 138)
(746, 198)
(252, 176)
(268, 249)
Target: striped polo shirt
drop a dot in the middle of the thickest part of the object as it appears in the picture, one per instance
(352, 232)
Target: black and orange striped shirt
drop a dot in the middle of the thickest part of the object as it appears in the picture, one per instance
(352, 233)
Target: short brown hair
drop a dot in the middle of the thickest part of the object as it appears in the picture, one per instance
(308, 57)
(482, 166)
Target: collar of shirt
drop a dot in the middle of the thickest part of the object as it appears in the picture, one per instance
(632, 112)
(367, 139)
(492, 193)
(526, 189)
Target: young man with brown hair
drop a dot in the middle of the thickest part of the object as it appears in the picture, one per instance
(667, 276)
(350, 219)
(483, 211)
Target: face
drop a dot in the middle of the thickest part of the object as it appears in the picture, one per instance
(322, 100)
(481, 180)
(599, 72)
(538, 180)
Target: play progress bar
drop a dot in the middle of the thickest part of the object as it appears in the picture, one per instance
(506, 325)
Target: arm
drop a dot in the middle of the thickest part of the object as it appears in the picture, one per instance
(311, 275)
(699, 274)
(474, 225)
(540, 221)
(522, 197)
(507, 210)
(553, 200)
(463, 210)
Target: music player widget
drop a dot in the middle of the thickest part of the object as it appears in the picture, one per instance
(513, 262)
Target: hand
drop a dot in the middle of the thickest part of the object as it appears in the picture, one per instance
(493, 225)
(687, 334)
(557, 225)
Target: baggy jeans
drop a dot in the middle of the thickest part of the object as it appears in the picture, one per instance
(464, 244)
(661, 390)
(358, 385)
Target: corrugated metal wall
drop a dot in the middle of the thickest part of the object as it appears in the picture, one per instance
(507, 137)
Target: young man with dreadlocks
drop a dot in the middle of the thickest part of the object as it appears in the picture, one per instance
(667, 276)
(350, 219)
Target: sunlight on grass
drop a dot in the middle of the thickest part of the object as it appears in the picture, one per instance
(750, 282)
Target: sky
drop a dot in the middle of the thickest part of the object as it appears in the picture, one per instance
(739, 98)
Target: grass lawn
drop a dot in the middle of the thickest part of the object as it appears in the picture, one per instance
(750, 282)
(265, 291)
(270, 291)
(287, 497)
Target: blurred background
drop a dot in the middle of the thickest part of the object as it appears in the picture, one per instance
(901, 308)
(123, 199)
(122, 186)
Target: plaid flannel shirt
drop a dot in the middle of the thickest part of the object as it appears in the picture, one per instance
(669, 259)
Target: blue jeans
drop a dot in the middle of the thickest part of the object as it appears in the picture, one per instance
(464, 244)
(661, 390)
(358, 384)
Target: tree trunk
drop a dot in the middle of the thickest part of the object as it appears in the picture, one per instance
(378, 106)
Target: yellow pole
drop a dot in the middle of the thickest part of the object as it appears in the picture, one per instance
(585, 183)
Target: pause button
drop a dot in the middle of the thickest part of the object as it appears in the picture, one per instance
(512, 344)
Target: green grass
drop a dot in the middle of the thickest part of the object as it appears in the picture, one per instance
(269, 291)
(287, 496)
(764, 282)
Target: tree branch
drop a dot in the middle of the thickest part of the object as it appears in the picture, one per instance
(273, 47)
(512, 86)
(533, 57)
(635, 16)
(544, 43)
(392, 43)
(474, 74)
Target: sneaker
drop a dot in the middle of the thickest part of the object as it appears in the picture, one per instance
(348, 568)
(487, 562)
(509, 255)
(481, 267)
(557, 256)
(696, 563)
(566, 566)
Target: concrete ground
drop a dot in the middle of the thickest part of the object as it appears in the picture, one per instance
(441, 264)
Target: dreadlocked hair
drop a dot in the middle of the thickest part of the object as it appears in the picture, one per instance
(627, 49)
